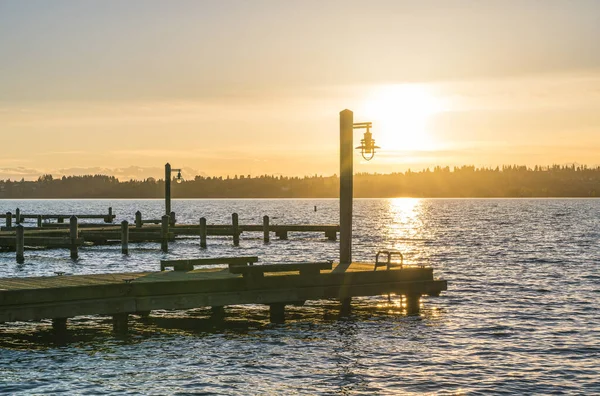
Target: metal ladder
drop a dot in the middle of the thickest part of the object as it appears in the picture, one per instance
(388, 254)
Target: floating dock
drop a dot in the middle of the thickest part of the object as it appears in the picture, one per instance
(277, 285)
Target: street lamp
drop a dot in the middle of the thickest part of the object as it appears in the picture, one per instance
(179, 179)
(367, 149)
(367, 143)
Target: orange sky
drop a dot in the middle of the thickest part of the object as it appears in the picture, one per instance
(233, 87)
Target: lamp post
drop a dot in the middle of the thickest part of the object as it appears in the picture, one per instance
(367, 148)
(168, 171)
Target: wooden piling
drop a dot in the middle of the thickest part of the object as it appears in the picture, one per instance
(125, 237)
(164, 244)
(18, 216)
(413, 302)
(59, 326)
(203, 232)
(277, 313)
(346, 306)
(20, 244)
(331, 235)
(8, 219)
(39, 221)
(236, 229)
(283, 235)
(120, 323)
(74, 234)
(172, 218)
(346, 185)
(266, 229)
(217, 312)
(110, 215)
(138, 219)
(60, 220)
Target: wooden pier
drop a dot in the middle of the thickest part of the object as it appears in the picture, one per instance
(276, 285)
(74, 234)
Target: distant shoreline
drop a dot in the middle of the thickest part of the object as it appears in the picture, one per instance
(463, 182)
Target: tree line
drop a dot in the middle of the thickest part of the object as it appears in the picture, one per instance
(442, 182)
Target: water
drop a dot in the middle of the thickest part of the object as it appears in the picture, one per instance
(521, 314)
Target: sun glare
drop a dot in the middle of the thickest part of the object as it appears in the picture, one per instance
(400, 114)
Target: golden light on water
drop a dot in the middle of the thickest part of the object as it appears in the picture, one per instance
(401, 114)
(406, 230)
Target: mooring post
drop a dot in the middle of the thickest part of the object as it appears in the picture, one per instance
(172, 218)
(18, 216)
(138, 219)
(125, 237)
(277, 312)
(203, 232)
(236, 229)
(20, 244)
(39, 221)
(120, 323)
(164, 232)
(74, 234)
(266, 229)
(109, 219)
(60, 220)
(8, 220)
(413, 302)
(346, 171)
(167, 188)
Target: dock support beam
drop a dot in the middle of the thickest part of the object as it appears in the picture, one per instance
(277, 312)
(20, 244)
(124, 237)
(203, 232)
(74, 234)
(217, 313)
(346, 171)
(59, 326)
(331, 235)
(120, 323)
(236, 229)
(266, 229)
(164, 244)
(346, 306)
(413, 302)
(283, 235)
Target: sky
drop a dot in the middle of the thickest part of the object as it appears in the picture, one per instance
(255, 87)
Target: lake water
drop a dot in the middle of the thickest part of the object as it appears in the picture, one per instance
(521, 314)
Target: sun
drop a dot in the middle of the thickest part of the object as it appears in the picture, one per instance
(400, 114)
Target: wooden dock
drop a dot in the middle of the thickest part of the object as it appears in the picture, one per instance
(121, 294)
(73, 235)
